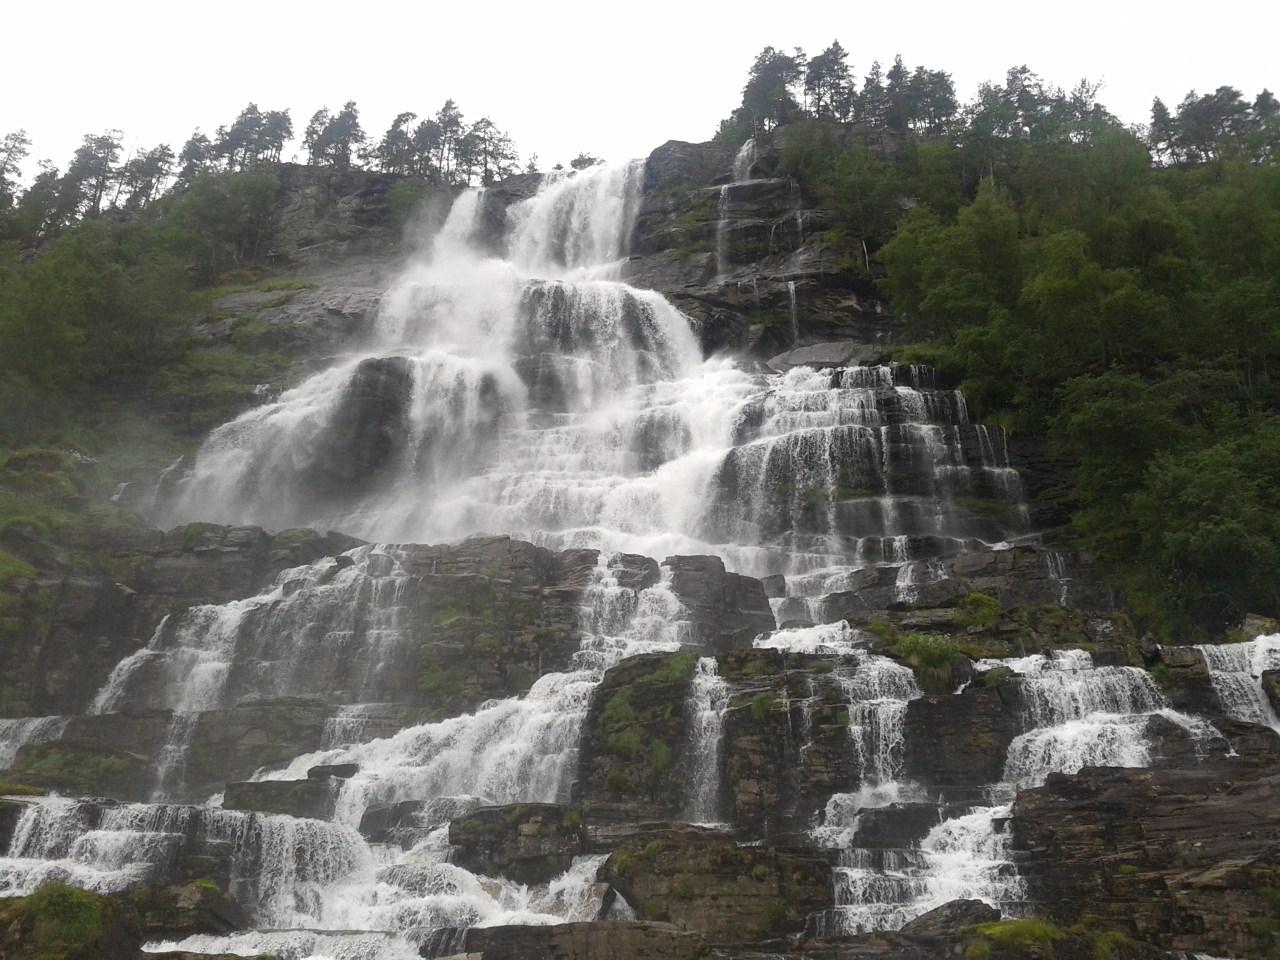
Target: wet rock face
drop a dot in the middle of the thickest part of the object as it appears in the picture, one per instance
(728, 609)
(114, 755)
(784, 748)
(583, 941)
(71, 629)
(786, 745)
(700, 880)
(312, 798)
(957, 743)
(526, 842)
(1188, 859)
(369, 429)
(632, 756)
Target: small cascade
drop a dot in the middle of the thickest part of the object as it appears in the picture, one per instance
(722, 234)
(18, 732)
(795, 320)
(708, 700)
(877, 691)
(1235, 670)
(1076, 715)
(743, 160)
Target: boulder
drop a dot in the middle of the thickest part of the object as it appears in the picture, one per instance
(1179, 857)
(339, 771)
(408, 821)
(1271, 687)
(632, 751)
(956, 744)
(839, 353)
(313, 798)
(582, 941)
(699, 880)
(525, 842)
(950, 918)
(183, 910)
(727, 609)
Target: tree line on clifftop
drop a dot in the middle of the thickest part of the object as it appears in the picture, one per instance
(1114, 287)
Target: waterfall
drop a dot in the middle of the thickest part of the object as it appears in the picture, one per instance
(324, 876)
(708, 700)
(1075, 714)
(1235, 670)
(722, 234)
(791, 303)
(743, 160)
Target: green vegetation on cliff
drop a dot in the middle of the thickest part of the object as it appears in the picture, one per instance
(1113, 287)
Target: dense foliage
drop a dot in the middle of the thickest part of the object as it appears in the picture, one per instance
(1113, 287)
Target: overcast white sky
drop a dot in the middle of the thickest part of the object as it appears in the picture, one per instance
(563, 76)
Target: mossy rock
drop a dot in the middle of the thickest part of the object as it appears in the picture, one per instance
(59, 922)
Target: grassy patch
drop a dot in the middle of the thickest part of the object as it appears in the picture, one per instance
(1014, 938)
(931, 656)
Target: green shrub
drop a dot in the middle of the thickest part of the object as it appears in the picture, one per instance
(992, 677)
(931, 655)
(981, 610)
(682, 887)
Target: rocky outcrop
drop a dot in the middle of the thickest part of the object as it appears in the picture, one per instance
(323, 214)
(728, 610)
(312, 798)
(632, 751)
(700, 880)
(69, 627)
(1185, 858)
(746, 261)
(582, 941)
(956, 744)
(115, 755)
(525, 842)
(368, 429)
(786, 743)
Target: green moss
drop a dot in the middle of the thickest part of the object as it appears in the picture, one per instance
(624, 863)
(617, 781)
(883, 629)
(59, 922)
(1127, 869)
(682, 887)
(761, 705)
(677, 668)
(1112, 945)
(21, 790)
(1013, 938)
(659, 756)
(760, 872)
(777, 916)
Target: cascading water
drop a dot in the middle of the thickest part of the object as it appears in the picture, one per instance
(18, 732)
(529, 392)
(1076, 715)
(535, 395)
(324, 876)
(1235, 670)
(708, 700)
